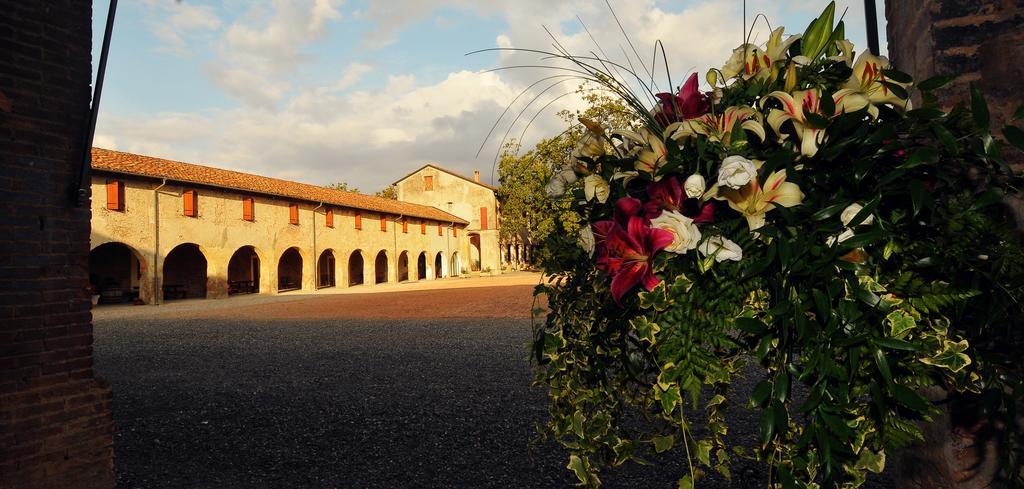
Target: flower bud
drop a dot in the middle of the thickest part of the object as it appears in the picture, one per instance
(694, 186)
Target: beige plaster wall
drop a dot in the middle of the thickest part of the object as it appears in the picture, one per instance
(219, 231)
(465, 198)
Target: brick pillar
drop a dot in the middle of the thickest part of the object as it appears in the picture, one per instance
(979, 40)
(55, 421)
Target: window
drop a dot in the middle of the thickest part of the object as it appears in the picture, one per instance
(455, 231)
(483, 218)
(115, 195)
(428, 182)
(384, 223)
(248, 209)
(423, 227)
(359, 221)
(329, 218)
(440, 230)
(191, 199)
(405, 226)
(293, 214)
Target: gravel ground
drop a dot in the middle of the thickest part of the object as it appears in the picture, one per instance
(353, 391)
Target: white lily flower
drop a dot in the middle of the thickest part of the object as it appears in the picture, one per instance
(845, 235)
(721, 248)
(595, 186)
(851, 211)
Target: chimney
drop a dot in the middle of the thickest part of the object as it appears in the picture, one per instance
(476, 176)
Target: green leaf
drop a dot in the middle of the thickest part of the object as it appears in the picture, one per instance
(951, 356)
(871, 461)
(919, 196)
(1019, 113)
(979, 108)
(767, 425)
(898, 76)
(645, 329)
(883, 366)
(1014, 136)
(816, 121)
(935, 82)
(753, 326)
(894, 344)
(946, 138)
(986, 199)
(922, 156)
(900, 323)
(781, 390)
(686, 482)
(910, 399)
(760, 393)
(896, 90)
(663, 443)
(829, 211)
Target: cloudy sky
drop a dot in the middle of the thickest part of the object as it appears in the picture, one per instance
(322, 91)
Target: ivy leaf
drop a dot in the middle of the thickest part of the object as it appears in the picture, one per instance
(581, 468)
(704, 452)
(686, 482)
(951, 356)
(871, 461)
(663, 443)
(900, 323)
(645, 329)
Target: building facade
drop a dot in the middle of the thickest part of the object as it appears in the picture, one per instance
(164, 230)
(470, 200)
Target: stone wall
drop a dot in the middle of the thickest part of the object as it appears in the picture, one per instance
(980, 40)
(55, 422)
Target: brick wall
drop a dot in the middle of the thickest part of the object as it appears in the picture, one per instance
(55, 422)
(980, 40)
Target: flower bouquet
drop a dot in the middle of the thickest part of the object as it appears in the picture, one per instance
(800, 226)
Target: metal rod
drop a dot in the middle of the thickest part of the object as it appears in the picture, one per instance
(871, 19)
(84, 189)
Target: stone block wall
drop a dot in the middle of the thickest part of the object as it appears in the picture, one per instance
(55, 421)
(982, 41)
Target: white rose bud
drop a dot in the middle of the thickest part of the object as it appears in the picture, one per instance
(556, 186)
(845, 235)
(851, 211)
(694, 186)
(586, 240)
(685, 234)
(736, 171)
(722, 249)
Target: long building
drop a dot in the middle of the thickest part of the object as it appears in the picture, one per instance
(164, 229)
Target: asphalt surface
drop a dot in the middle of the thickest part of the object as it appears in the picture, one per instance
(347, 396)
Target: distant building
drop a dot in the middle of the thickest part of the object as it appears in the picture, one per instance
(164, 229)
(469, 199)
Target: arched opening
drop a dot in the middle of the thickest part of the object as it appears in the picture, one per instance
(115, 272)
(456, 267)
(403, 266)
(289, 270)
(380, 268)
(355, 268)
(474, 252)
(244, 271)
(326, 269)
(184, 273)
(438, 265)
(421, 266)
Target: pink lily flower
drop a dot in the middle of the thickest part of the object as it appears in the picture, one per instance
(668, 194)
(628, 254)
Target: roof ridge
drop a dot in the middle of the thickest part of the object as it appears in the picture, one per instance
(450, 172)
(107, 160)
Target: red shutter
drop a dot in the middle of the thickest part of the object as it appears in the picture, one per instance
(359, 220)
(191, 200)
(247, 209)
(440, 230)
(115, 195)
(405, 225)
(428, 182)
(384, 223)
(293, 213)
(329, 218)
(455, 231)
(483, 218)
(423, 227)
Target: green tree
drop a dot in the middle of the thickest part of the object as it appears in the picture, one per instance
(527, 213)
(343, 186)
(389, 192)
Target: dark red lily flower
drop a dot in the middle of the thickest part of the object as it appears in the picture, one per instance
(687, 104)
(700, 212)
(627, 254)
(625, 208)
(666, 194)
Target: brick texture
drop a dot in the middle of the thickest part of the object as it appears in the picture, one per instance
(55, 420)
(981, 41)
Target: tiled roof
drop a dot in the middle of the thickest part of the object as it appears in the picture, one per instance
(431, 165)
(148, 166)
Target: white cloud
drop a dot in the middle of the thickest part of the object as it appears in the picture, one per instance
(174, 24)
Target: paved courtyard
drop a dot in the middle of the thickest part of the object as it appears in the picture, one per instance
(425, 385)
